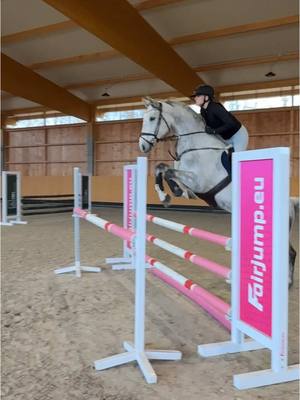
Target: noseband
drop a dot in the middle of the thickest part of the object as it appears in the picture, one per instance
(154, 135)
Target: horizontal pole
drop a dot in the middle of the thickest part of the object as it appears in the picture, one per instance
(116, 230)
(189, 230)
(216, 313)
(202, 262)
(211, 303)
(197, 290)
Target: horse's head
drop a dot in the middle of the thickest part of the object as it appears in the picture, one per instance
(157, 123)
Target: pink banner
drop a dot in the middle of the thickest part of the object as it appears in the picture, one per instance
(256, 223)
(129, 200)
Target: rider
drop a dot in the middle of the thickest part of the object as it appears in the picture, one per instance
(218, 120)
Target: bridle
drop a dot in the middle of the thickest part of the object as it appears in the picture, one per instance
(156, 139)
(155, 133)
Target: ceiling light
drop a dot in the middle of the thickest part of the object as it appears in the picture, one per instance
(270, 74)
(105, 94)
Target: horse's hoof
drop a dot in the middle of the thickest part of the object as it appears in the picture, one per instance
(167, 201)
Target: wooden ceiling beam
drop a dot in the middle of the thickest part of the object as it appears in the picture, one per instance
(69, 24)
(149, 4)
(218, 89)
(257, 85)
(119, 24)
(37, 32)
(202, 68)
(166, 95)
(111, 81)
(22, 82)
(244, 62)
(236, 30)
(108, 54)
(82, 58)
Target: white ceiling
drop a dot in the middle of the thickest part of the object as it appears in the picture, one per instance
(173, 20)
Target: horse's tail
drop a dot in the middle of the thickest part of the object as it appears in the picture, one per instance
(295, 202)
(294, 206)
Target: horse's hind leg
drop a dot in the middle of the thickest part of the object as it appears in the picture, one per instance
(292, 258)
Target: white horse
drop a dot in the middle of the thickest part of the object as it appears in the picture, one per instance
(203, 161)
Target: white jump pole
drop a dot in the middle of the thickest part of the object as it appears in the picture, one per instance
(11, 198)
(136, 351)
(260, 235)
(77, 267)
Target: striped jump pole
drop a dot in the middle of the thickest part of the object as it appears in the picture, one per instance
(215, 306)
(137, 241)
(202, 262)
(224, 241)
(199, 295)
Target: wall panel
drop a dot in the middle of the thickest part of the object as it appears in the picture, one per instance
(54, 151)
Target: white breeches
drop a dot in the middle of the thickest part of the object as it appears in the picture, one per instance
(240, 139)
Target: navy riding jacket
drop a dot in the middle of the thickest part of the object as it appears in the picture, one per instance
(220, 120)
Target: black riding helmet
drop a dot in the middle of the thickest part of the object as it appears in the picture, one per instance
(205, 90)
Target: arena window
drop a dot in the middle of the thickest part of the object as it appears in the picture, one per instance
(261, 99)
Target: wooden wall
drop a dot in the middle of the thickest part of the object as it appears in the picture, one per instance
(116, 144)
(46, 151)
(52, 152)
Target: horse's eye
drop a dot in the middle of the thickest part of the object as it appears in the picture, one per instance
(152, 118)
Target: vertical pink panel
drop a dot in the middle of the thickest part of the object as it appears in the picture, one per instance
(256, 223)
(129, 200)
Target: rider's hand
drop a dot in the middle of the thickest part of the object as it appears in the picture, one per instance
(210, 130)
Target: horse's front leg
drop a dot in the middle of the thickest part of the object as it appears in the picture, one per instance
(180, 183)
(160, 170)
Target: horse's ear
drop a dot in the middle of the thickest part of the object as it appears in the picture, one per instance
(148, 101)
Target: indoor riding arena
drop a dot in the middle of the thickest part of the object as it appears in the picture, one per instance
(144, 254)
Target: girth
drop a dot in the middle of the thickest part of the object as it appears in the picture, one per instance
(209, 196)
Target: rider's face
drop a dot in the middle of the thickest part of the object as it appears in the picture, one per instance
(199, 100)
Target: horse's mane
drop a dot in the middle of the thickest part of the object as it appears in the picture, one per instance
(184, 108)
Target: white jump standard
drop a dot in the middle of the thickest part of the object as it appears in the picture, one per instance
(11, 199)
(134, 351)
(77, 267)
(260, 236)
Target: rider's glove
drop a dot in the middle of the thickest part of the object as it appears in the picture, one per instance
(210, 130)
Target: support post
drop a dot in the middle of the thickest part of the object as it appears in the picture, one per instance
(260, 235)
(77, 267)
(136, 351)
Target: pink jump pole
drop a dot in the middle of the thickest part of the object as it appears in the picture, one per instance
(108, 226)
(211, 303)
(213, 312)
(189, 230)
(211, 266)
